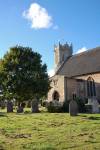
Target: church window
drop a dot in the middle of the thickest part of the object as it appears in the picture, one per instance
(74, 96)
(91, 91)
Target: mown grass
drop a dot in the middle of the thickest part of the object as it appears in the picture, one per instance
(49, 131)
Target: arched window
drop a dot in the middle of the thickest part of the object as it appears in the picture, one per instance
(91, 87)
(55, 96)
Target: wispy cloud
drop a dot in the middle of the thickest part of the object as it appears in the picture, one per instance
(38, 16)
(51, 72)
(83, 49)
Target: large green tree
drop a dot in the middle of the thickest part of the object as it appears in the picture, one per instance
(23, 76)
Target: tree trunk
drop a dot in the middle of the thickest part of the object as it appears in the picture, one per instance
(9, 107)
(35, 107)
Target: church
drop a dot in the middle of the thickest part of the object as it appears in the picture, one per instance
(76, 75)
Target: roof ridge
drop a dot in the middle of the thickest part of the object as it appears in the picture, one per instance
(87, 51)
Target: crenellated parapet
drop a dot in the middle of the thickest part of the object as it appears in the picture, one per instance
(62, 52)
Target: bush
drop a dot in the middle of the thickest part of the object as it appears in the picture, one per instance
(44, 103)
(81, 105)
(54, 106)
(88, 108)
(2, 104)
(65, 107)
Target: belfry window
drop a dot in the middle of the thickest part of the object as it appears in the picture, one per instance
(91, 87)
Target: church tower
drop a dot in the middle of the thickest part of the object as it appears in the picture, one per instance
(61, 53)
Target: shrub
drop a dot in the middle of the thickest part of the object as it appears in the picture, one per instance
(88, 108)
(81, 105)
(65, 107)
(44, 103)
(54, 106)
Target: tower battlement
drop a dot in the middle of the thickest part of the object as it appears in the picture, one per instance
(62, 52)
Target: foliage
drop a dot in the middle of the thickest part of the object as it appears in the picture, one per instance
(88, 108)
(65, 107)
(54, 106)
(81, 105)
(22, 74)
(49, 131)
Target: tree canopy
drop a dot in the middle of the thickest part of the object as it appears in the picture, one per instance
(22, 74)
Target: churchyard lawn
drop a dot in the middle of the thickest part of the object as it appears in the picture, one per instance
(49, 131)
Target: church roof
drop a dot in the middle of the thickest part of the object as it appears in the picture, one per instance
(80, 64)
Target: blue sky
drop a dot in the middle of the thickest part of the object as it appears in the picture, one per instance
(76, 21)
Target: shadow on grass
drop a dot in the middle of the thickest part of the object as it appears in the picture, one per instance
(3, 114)
(93, 118)
(84, 145)
(1, 147)
(90, 117)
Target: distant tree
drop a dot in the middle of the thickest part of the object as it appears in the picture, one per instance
(23, 76)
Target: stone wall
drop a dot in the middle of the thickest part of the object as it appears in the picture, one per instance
(66, 87)
(71, 88)
(57, 84)
(96, 78)
(78, 86)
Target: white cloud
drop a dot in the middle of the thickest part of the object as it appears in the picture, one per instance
(38, 16)
(83, 49)
(51, 72)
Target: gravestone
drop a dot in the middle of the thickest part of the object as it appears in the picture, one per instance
(20, 109)
(35, 106)
(73, 108)
(9, 106)
(90, 101)
(95, 106)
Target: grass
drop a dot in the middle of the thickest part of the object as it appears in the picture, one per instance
(49, 131)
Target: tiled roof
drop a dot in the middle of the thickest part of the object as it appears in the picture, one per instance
(80, 64)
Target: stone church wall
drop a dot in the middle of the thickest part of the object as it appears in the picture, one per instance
(71, 88)
(66, 87)
(96, 78)
(57, 84)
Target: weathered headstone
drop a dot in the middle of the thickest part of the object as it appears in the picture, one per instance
(90, 100)
(73, 108)
(95, 106)
(20, 109)
(35, 106)
(9, 106)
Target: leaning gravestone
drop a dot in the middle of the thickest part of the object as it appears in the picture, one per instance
(73, 108)
(35, 106)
